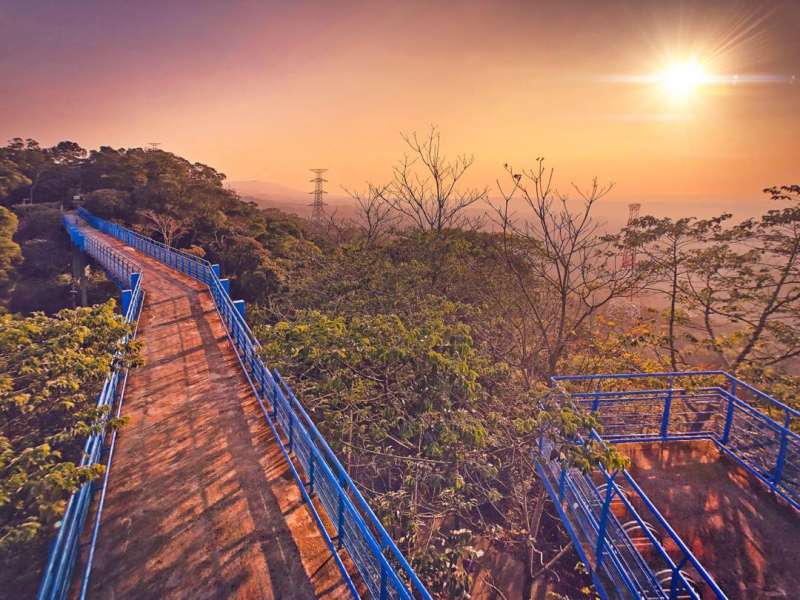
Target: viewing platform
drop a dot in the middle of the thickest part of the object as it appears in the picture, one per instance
(709, 505)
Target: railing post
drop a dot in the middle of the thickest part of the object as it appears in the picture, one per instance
(125, 300)
(776, 475)
(274, 399)
(340, 518)
(384, 591)
(596, 401)
(676, 576)
(135, 277)
(667, 408)
(562, 482)
(601, 533)
(726, 432)
(240, 307)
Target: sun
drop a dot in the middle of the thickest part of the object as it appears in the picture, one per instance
(680, 80)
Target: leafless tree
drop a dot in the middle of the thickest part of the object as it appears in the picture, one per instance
(338, 229)
(165, 224)
(376, 218)
(564, 269)
(425, 187)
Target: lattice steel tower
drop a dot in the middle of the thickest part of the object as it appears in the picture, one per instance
(629, 254)
(318, 205)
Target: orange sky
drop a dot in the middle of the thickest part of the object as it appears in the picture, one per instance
(265, 91)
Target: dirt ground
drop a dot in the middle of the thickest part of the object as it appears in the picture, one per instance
(748, 539)
(201, 503)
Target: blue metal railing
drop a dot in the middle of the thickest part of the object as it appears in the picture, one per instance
(383, 570)
(750, 426)
(63, 554)
(619, 532)
(117, 265)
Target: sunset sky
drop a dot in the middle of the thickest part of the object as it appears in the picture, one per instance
(266, 90)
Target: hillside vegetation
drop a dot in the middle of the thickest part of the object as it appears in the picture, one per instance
(423, 344)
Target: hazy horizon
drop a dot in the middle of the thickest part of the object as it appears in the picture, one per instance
(266, 91)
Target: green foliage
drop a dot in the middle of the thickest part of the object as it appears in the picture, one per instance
(165, 196)
(400, 402)
(51, 369)
(27, 170)
(43, 280)
(427, 424)
(422, 353)
(11, 178)
(106, 203)
(10, 253)
(399, 385)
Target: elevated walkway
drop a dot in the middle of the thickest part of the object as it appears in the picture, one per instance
(201, 503)
(222, 486)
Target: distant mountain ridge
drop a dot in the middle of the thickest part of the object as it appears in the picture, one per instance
(269, 194)
(267, 189)
(612, 212)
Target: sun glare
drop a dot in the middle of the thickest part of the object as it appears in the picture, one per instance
(680, 80)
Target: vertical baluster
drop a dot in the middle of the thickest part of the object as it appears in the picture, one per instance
(776, 475)
(340, 517)
(384, 591)
(311, 471)
(726, 432)
(667, 409)
(601, 533)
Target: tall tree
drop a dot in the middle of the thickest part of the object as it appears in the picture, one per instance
(426, 187)
(564, 270)
(11, 177)
(165, 224)
(746, 286)
(38, 164)
(664, 249)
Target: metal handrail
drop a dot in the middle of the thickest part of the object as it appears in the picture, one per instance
(63, 553)
(354, 522)
(756, 441)
(731, 378)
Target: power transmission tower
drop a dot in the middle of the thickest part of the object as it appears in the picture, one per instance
(153, 145)
(318, 205)
(629, 254)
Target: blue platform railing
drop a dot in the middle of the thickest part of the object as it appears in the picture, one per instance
(384, 572)
(63, 554)
(629, 547)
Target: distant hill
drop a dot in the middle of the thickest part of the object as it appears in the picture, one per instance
(268, 190)
(275, 195)
(611, 212)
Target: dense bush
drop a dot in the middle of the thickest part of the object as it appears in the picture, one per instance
(10, 254)
(51, 369)
(164, 196)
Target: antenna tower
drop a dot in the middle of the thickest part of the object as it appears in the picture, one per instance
(629, 254)
(318, 205)
(153, 145)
